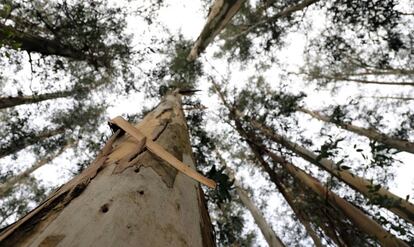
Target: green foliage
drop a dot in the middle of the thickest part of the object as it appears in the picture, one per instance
(230, 225)
(90, 30)
(19, 200)
(329, 149)
(224, 185)
(258, 99)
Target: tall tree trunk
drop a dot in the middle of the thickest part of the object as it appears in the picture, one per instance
(220, 14)
(269, 235)
(24, 142)
(7, 102)
(400, 206)
(370, 133)
(32, 43)
(362, 221)
(390, 98)
(301, 214)
(26, 173)
(271, 238)
(362, 81)
(278, 181)
(127, 197)
(282, 14)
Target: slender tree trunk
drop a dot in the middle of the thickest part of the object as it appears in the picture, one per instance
(24, 142)
(370, 133)
(32, 43)
(269, 235)
(400, 206)
(127, 196)
(7, 102)
(276, 179)
(301, 216)
(221, 12)
(390, 98)
(362, 81)
(26, 173)
(362, 221)
(282, 14)
(271, 238)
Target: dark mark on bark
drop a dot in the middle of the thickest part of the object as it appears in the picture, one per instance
(159, 129)
(104, 208)
(136, 170)
(167, 108)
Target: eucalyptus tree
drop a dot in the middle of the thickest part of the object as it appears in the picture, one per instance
(60, 56)
(85, 31)
(168, 184)
(376, 49)
(251, 125)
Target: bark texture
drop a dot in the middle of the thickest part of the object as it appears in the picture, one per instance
(146, 203)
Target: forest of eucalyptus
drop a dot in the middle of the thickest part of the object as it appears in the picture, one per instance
(300, 111)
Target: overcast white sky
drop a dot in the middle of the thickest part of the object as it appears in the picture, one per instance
(188, 17)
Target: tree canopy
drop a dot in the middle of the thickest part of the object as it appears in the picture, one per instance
(303, 107)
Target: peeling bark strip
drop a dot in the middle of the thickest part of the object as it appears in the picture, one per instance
(220, 14)
(161, 152)
(147, 202)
